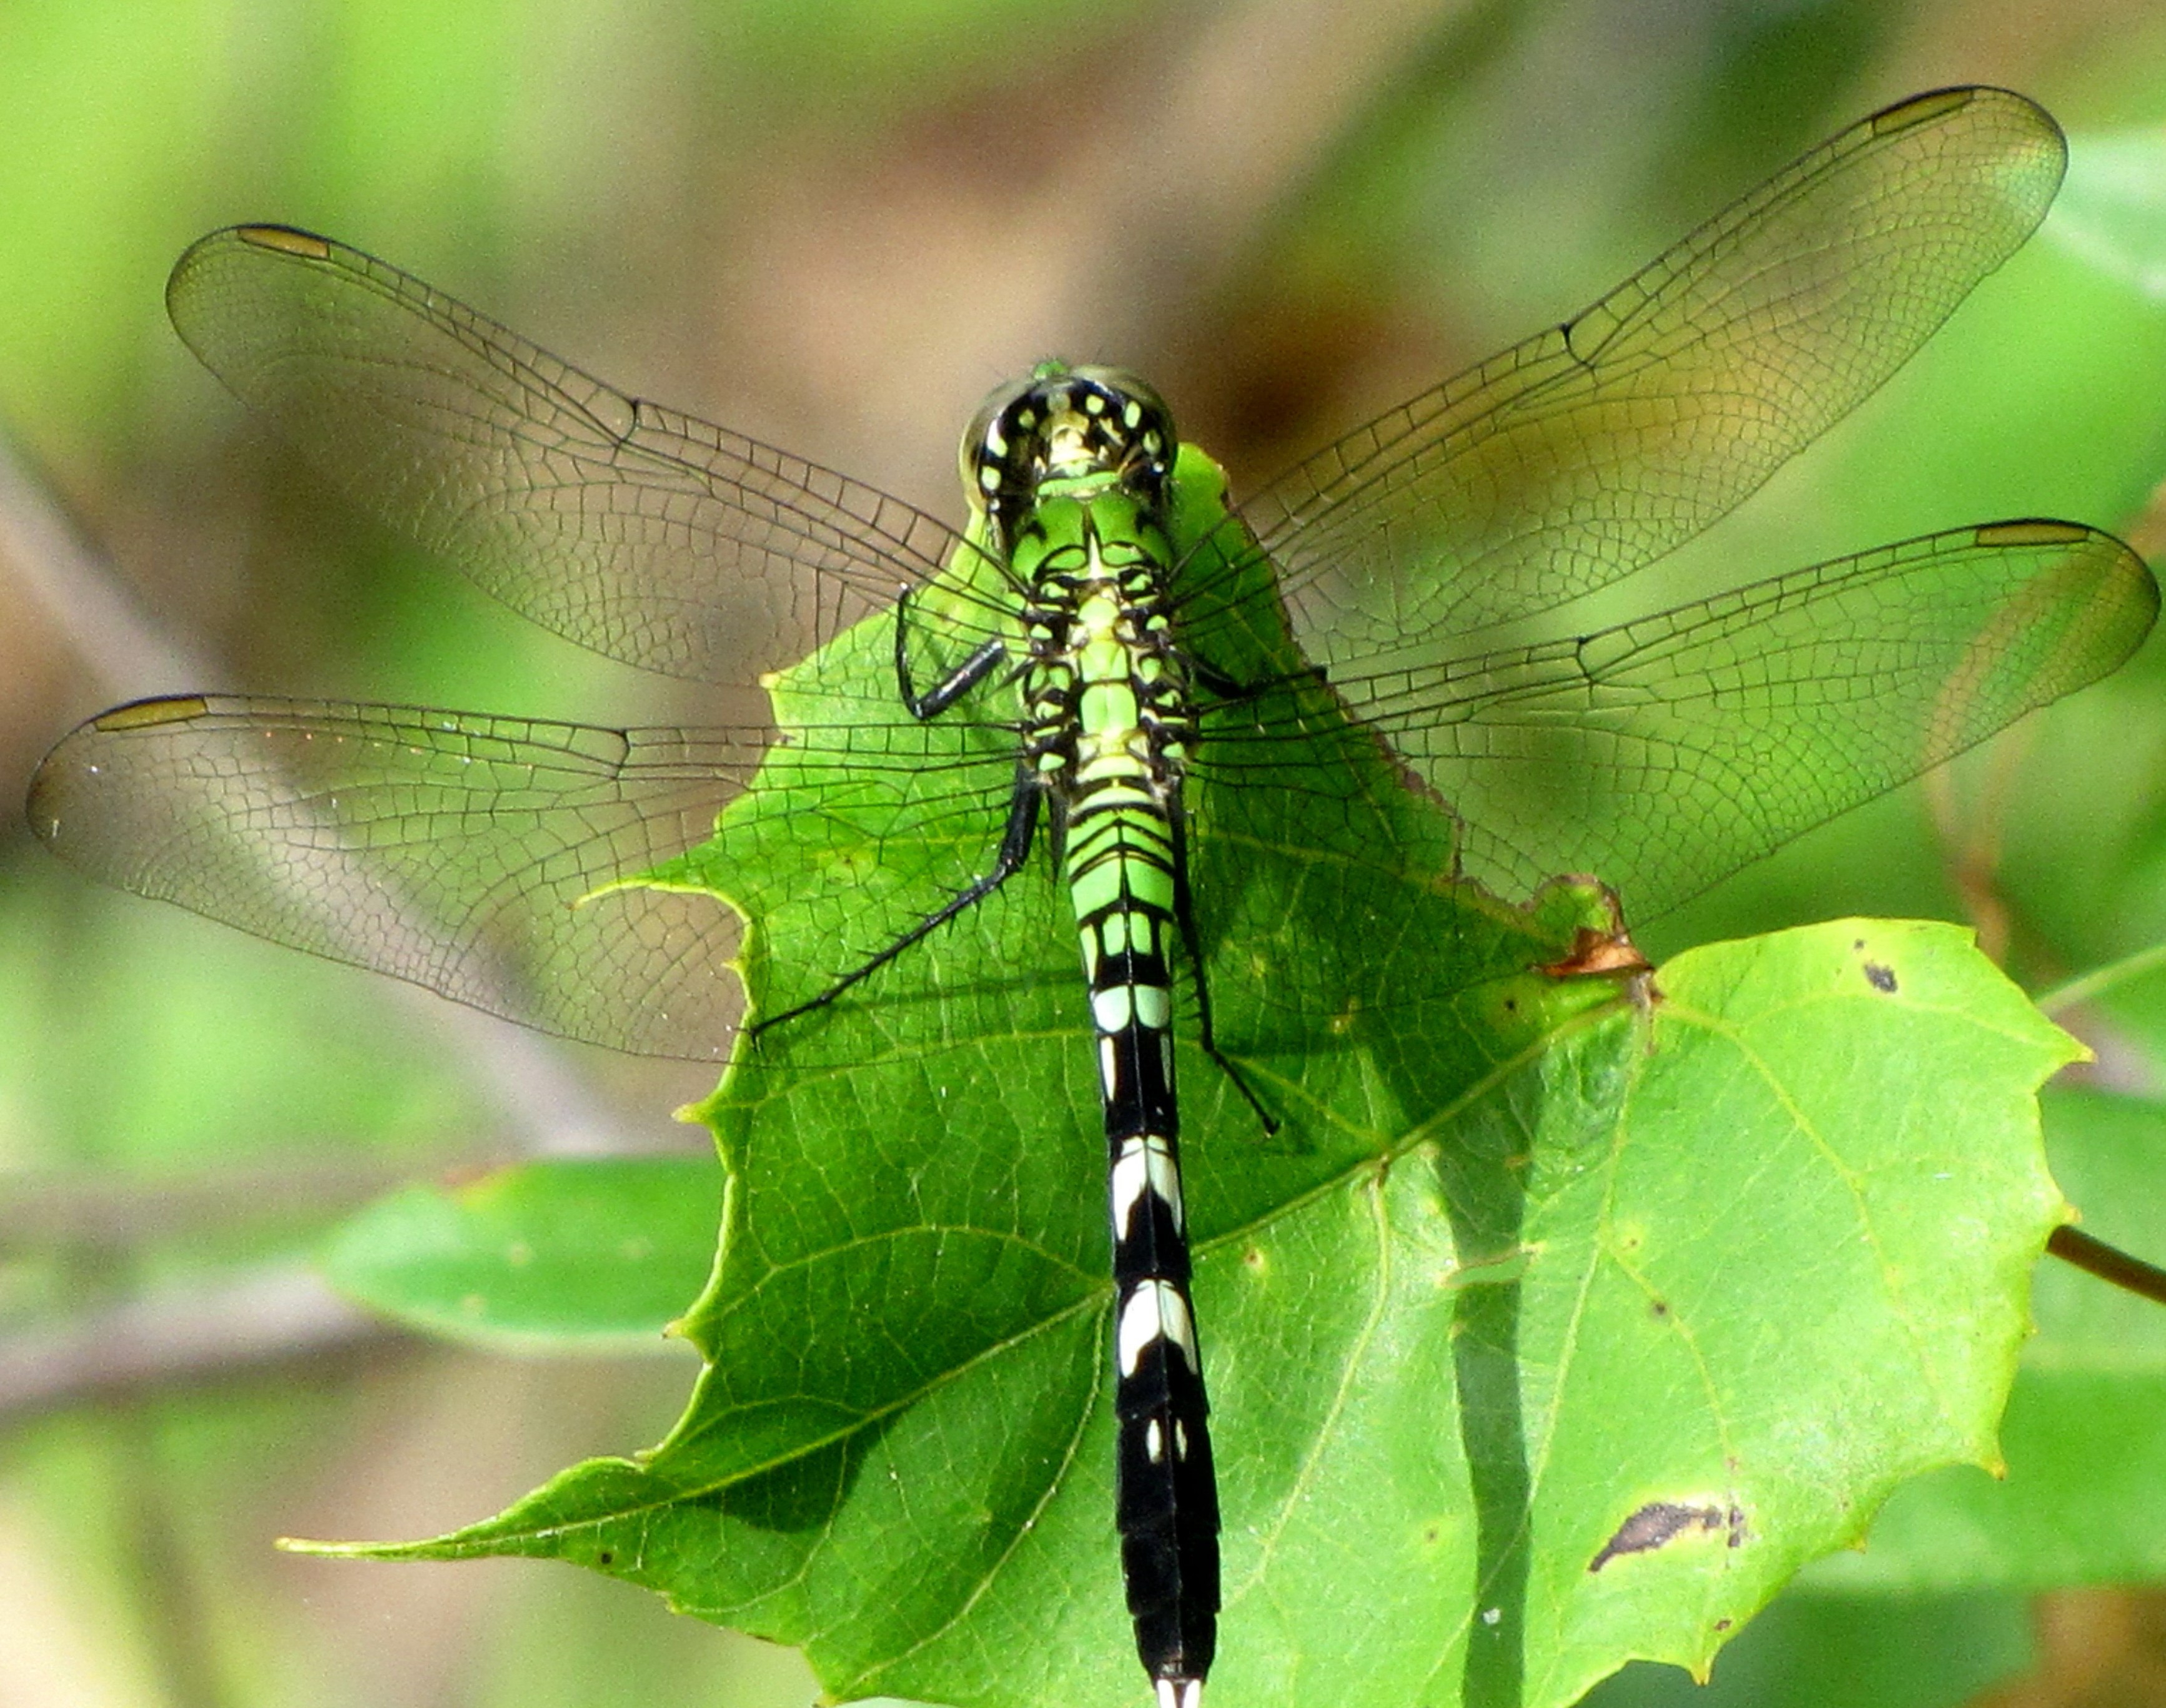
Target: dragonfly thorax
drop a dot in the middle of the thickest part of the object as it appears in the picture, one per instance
(1106, 692)
(1072, 431)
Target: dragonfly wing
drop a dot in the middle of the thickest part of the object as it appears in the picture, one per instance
(1663, 754)
(470, 854)
(643, 534)
(1595, 447)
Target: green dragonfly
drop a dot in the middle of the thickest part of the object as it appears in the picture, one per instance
(1110, 639)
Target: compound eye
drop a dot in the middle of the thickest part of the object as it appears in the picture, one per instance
(1135, 403)
(989, 449)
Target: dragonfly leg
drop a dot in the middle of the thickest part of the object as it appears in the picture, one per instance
(1207, 676)
(1183, 917)
(960, 681)
(1014, 850)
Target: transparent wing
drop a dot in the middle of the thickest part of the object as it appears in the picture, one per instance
(643, 534)
(1594, 448)
(477, 856)
(1664, 754)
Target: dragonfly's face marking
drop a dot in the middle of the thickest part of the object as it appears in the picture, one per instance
(1075, 428)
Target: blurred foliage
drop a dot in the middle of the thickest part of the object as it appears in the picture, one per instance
(835, 226)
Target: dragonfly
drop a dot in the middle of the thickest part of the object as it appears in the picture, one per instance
(1093, 628)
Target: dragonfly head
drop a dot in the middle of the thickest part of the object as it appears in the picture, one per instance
(1080, 430)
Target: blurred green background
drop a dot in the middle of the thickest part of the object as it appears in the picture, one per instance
(835, 226)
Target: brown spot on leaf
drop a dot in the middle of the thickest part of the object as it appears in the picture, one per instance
(1880, 978)
(1595, 953)
(1660, 1522)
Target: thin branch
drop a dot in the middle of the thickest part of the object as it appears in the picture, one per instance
(261, 1318)
(106, 1209)
(132, 654)
(2101, 979)
(2109, 1264)
(93, 607)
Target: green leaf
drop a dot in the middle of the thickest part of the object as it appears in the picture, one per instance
(1559, 1324)
(1754, 1258)
(2084, 1499)
(570, 1256)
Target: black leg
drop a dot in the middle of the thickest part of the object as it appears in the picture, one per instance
(1207, 675)
(1184, 916)
(965, 677)
(1014, 850)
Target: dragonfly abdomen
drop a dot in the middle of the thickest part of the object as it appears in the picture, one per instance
(1116, 788)
(1168, 1503)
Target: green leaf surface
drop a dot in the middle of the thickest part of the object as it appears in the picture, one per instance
(1754, 1259)
(2084, 1500)
(569, 1255)
(1560, 1322)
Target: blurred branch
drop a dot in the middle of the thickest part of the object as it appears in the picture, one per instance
(2101, 979)
(183, 1334)
(176, 1601)
(132, 654)
(1246, 104)
(100, 1210)
(76, 587)
(2147, 529)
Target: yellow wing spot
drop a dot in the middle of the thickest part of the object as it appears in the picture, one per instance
(286, 241)
(2032, 534)
(147, 714)
(1917, 112)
